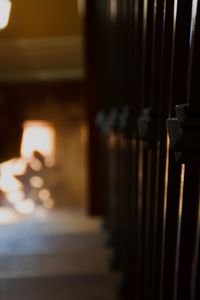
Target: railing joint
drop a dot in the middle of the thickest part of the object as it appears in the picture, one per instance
(184, 134)
(148, 126)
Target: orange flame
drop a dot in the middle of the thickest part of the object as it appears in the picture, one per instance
(37, 136)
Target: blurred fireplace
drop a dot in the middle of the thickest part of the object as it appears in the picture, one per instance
(61, 104)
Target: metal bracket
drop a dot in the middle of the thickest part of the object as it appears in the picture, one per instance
(113, 120)
(126, 125)
(101, 121)
(148, 126)
(108, 122)
(184, 134)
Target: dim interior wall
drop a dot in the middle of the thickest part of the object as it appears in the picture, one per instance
(63, 106)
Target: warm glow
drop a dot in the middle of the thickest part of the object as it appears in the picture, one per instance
(36, 182)
(113, 9)
(49, 203)
(81, 7)
(7, 216)
(26, 206)
(15, 196)
(5, 9)
(45, 197)
(8, 182)
(44, 194)
(36, 165)
(38, 136)
(112, 140)
(21, 181)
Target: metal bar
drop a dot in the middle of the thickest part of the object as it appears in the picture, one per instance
(171, 229)
(178, 77)
(194, 67)
(150, 43)
(147, 49)
(163, 148)
(150, 202)
(157, 54)
(195, 287)
(182, 25)
(130, 274)
(188, 216)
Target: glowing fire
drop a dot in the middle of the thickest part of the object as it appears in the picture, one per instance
(21, 182)
(9, 169)
(38, 136)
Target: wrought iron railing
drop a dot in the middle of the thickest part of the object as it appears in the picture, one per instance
(148, 83)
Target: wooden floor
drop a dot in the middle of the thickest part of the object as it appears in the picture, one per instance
(57, 255)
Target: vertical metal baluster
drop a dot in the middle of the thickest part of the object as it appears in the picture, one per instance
(193, 98)
(195, 287)
(149, 30)
(191, 158)
(188, 215)
(181, 11)
(149, 120)
(163, 147)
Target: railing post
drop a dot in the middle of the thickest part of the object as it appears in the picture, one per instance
(184, 132)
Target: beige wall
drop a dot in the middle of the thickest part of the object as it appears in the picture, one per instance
(34, 18)
(43, 41)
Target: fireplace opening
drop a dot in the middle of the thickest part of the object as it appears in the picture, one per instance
(22, 179)
(47, 169)
(38, 136)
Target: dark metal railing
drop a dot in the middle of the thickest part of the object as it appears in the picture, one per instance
(148, 66)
